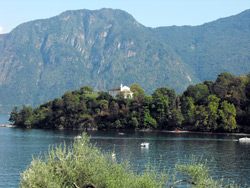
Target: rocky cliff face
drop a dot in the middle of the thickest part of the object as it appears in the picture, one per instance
(42, 59)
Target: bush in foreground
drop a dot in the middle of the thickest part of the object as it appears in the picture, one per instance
(83, 164)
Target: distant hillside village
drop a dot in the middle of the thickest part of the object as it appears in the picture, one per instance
(125, 89)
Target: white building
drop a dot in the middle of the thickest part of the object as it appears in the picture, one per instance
(127, 93)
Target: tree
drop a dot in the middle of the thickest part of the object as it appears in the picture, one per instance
(210, 85)
(104, 96)
(163, 100)
(137, 108)
(104, 107)
(113, 110)
(221, 84)
(85, 121)
(227, 116)
(233, 89)
(14, 115)
(120, 95)
(86, 90)
(248, 87)
(176, 118)
(137, 90)
(206, 117)
(148, 121)
(69, 102)
(201, 117)
(23, 116)
(199, 93)
(57, 104)
(213, 115)
(165, 92)
(124, 111)
(134, 122)
(187, 109)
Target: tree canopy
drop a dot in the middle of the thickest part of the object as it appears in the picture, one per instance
(223, 106)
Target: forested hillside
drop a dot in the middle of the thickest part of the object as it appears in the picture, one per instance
(219, 46)
(42, 59)
(220, 106)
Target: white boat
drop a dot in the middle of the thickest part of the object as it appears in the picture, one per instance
(77, 137)
(245, 139)
(113, 154)
(144, 144)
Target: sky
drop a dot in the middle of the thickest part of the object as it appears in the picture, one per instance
(151, 13)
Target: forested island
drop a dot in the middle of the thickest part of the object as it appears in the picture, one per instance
(220, 106)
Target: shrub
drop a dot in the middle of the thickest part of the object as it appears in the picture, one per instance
(82, 164)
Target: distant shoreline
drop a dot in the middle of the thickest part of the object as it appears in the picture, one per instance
(150, 130)
(196, 132)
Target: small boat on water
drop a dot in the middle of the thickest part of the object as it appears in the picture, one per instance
(245, 139)
(144, 144)
(8, 125)
(113, 154)
(77, 137)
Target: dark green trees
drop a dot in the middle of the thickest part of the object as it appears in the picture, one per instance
(213, 106)
(223, 105)
(21, 119)
(164, 100)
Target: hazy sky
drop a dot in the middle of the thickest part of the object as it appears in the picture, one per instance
(152, 13)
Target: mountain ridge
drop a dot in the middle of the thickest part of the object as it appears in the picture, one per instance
(42, 59)
(232, 31)
(79, 48)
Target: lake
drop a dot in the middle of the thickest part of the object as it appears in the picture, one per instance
(231, 159)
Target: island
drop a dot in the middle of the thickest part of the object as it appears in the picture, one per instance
(220, 106)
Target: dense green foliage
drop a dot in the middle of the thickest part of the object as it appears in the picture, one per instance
(84, 164)
(107, 47)
(222, 106)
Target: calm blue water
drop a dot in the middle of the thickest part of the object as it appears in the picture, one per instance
(232, 159)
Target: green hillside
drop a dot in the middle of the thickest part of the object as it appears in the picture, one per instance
(212, 48)
(42, 59)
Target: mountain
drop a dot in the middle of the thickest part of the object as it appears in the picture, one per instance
(212, 48)
(42, 59)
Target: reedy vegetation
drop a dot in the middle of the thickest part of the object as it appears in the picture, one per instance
(221, 106)
(83, 163)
